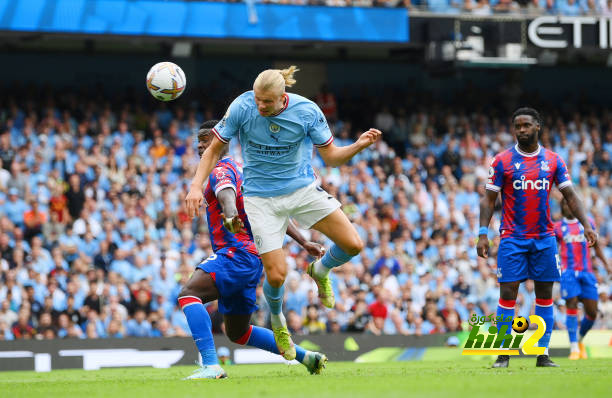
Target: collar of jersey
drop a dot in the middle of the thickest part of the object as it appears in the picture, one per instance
(285, 107)
(572, 221)
(529, 155)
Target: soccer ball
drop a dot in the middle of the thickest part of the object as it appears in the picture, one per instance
(166, 81)
(520, 324)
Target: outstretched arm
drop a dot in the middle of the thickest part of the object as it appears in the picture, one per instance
(314, 249)
(209, 159)
(335, 156)
(487, 207)
(577, 208)
(231, 219)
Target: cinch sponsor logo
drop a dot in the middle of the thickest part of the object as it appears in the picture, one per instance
(574, 238)
(501, 341)
(538, 185)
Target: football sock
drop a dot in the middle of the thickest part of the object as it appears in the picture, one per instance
(571, 322)
(201, 328)
(334, 257)
(544, 308)
(264, 339)
(274, 297)
(585, 325)
(505, 308)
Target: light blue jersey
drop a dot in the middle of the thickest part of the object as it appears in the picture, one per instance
(276, 150)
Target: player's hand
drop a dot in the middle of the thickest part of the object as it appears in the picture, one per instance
(314, 249)
(193, 202)
(482, 247)
(369, 137)
(591, 236)
(233, 224)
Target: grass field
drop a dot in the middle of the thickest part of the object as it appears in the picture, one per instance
(589, 378)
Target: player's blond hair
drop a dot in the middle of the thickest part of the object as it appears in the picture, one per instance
(275, 79)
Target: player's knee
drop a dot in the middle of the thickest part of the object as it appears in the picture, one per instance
(187, 291)
(276, 277)
(355, 246)
(591, 313)
(236, 335)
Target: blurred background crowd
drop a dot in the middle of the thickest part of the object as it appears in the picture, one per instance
(95, 241)
(475, 7)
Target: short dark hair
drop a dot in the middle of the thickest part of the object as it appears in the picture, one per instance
(529, 112)
(206, 129)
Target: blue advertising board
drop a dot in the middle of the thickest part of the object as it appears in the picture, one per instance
(175, 18)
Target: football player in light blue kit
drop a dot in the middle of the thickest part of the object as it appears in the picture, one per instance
(277, 132)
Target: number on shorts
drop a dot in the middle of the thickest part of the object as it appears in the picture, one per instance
(210, 258)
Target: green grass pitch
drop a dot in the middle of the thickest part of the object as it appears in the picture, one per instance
(589, 378)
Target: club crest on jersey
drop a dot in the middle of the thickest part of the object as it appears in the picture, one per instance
(544, 165)
(274, 128)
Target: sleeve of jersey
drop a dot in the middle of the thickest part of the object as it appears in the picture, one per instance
(496, 176)
(228, 127)
(318, 130)
(562, 177)
(222, 178)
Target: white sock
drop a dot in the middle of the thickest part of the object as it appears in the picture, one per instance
(574, 347)
(320, 270)
(546, 351)
(580, 338)
(308, 358)
(278, 321)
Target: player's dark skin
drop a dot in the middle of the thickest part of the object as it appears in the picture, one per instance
(526, 129)
(590, 306)
(201, 284)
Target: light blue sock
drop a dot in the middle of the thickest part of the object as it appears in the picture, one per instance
(546, 312)
(201, 328)
(274, 297)
(335, 257)
(264, 339)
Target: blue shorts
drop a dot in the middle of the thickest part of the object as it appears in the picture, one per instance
(236, 274)
(521, 259)
(581, 284)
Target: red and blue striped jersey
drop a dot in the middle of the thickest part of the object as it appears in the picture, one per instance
(525, 181)
(574, 248)
(226, 174)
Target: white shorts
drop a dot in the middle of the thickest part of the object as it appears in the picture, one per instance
(269, 217)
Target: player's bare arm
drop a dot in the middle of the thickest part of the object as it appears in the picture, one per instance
(577, 208)
(335, 156)
(487, 207)
(601, 255)
(209, 159)
(314, 249)
(231, 220)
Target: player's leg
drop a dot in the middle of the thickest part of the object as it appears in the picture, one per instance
(511, 271)
(240, 331)
(314, 208)
(269, 226)
(198, 290)
(544, 269)
(508, 292)
(347, 244)
(275, 266)
(588, 296)
(571, 322)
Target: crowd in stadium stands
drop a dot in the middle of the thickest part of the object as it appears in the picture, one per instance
(477, 7)
(95, 241)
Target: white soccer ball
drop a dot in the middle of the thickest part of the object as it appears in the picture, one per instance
(166, 81)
